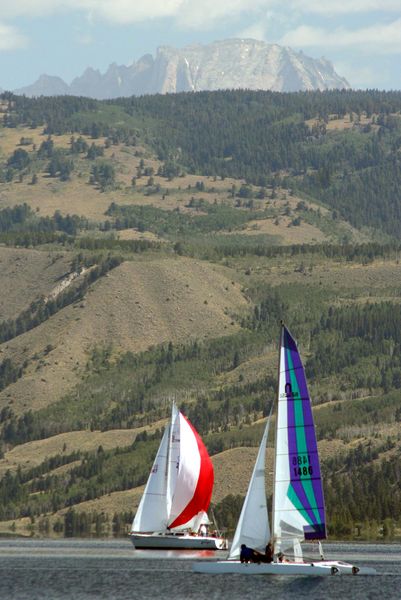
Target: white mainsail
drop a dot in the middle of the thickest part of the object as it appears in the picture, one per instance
(253, 525)
(152, 511)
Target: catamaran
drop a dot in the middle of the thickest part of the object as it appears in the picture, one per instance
(298, 502)
(172, 513)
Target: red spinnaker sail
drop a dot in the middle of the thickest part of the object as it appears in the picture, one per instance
(202, 494)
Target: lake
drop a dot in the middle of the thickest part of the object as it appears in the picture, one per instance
(88, 569)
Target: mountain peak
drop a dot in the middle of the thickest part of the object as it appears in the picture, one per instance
(224, 64)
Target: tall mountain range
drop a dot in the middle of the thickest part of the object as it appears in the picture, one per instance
(228, 64)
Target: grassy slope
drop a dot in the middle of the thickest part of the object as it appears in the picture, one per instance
(32, 454)
(27, 274)
(153, 299)
(138, 305)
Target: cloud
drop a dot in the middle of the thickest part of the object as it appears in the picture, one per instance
(204, 13)
(190, 12)
(253, 32)
(344, 7)
(11, 9)
(386, 38)
(269, 15)
(10, 38)
(130, 11)
(186, 13)
(118, 11)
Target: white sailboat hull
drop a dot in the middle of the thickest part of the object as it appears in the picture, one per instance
(170, 541)
(319, 569)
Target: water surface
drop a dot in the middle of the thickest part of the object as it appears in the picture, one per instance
(88, 569)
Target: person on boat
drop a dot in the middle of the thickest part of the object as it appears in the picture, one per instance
(247, 554)
(281, 557)
(267, 557)
(203, 530)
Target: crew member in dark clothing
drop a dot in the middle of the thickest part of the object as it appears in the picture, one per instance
(247, 554)
(268, 557)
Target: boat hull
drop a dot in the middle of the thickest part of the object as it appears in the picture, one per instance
(177, 542)
(319, 569)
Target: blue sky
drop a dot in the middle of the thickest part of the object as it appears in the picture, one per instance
(63, 37)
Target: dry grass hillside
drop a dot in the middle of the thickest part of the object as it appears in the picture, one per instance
(233, 469)
(139, 304)
(34, 453)
(78, 196)
(26, 275)
(155, 296)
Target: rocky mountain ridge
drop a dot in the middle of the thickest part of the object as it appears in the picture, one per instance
(228, 64)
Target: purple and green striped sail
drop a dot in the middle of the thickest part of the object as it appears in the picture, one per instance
(305, 487)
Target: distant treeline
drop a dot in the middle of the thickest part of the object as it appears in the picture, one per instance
(255, 136)
(135, 246)
(10, 373)
(346, 336)
(28, 239)
(21, 226)
(97, 473)
(21, 221)
(162, 222)
(63, 114)
(191, 235)
(217, 248)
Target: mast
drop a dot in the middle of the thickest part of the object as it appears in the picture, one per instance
(168, 462)
(280, 344)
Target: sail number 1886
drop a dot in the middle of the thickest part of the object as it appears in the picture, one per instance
(301, 465)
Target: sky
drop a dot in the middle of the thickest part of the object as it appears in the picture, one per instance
(362, 38)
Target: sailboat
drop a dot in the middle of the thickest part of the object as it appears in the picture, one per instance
(172, 513)
(298, 502)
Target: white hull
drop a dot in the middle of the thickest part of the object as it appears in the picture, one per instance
(319, 569)
(170, 541)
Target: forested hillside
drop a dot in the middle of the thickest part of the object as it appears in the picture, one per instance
(149, 249)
